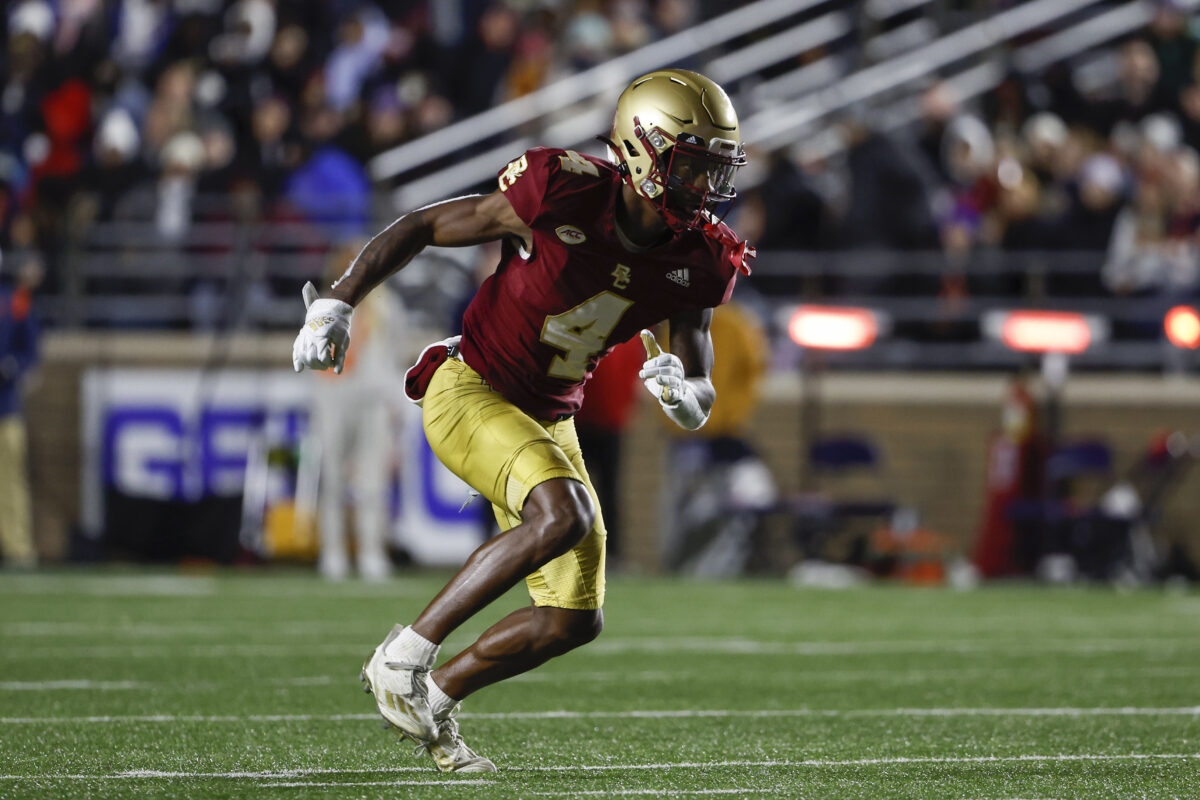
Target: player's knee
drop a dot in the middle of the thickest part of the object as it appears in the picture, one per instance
(565, 514)
(588, 627)
(566, 629)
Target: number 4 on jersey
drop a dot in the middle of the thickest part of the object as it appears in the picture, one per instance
(573, 162)
(581, 333)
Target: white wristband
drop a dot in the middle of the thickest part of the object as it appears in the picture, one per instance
(686, 412)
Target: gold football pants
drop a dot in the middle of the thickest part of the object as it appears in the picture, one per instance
(503, 453)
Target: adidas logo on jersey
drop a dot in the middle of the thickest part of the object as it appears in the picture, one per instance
(680, 276)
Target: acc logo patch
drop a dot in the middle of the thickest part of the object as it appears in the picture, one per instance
(570, 234)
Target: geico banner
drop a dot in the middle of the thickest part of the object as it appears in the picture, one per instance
(181, 434)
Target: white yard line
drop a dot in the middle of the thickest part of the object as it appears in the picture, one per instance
(199, 585)
(664, 792)
(54, 686)
(279, 773)
(183, 630)
(113, 686)
(668, 644)
(680, 765)
(190, 718)
(73, 630)
(1118, 711)
(448, 784)
(110, 585)
(191, 686)
(647, 676)
(187, 648)
(1187, 711)
(876, 675)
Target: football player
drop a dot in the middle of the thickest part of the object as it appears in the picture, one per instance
(593, 253)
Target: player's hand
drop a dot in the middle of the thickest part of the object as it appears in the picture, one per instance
(663, 373)
(325, 336)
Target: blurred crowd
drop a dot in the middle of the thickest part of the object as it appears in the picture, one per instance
(1039, 163)
(154, 109)
(178, 111)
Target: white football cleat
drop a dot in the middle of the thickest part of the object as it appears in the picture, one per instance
(451, 753)
(401, 692)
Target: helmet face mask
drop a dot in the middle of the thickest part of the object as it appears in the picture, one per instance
(675, 136)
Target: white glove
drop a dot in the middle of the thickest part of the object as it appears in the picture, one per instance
(665, 379)
(325, 336)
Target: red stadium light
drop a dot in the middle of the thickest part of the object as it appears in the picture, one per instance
(1182, 325)
(1046, 332)
(833, 328)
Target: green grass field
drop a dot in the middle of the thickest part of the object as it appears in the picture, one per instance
(136, 684)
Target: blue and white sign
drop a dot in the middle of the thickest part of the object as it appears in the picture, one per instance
(186, 434)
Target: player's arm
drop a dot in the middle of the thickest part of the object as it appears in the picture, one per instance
(325, 335)
(681, 380)
(454, 223)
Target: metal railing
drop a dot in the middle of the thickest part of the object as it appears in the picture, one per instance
(784, 109)
(597, 81)
(227, 277)
(592, 99)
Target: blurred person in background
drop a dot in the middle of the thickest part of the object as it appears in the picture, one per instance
(18, 354)
(939, 107)
(1154, 247)
(169, 200)
(1015, 222)
(354, 421)
(1088, 222)
(794, 215)
(1135, 94)
(717, 482)
(116, 166)
(485, 64)
(1175, 48)
(362, 38)
(589, 36)
(272, 151)
(593, 253)
(1053, 156)
(24, 79)
(890, 204)
(329, 186)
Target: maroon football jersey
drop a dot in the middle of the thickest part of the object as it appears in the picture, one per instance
(539, 325)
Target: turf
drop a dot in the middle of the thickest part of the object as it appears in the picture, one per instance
(135, 684)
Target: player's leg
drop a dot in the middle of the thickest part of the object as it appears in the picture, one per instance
(16, 532)
(555, 517)
(515, 462)
(567, 593)
(372, 456)
(517, 465)
(329, 422)
(526, 638)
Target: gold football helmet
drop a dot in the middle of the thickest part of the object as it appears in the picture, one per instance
(677, 143)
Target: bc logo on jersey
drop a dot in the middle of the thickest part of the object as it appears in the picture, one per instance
(621, 276)
(570, 234)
